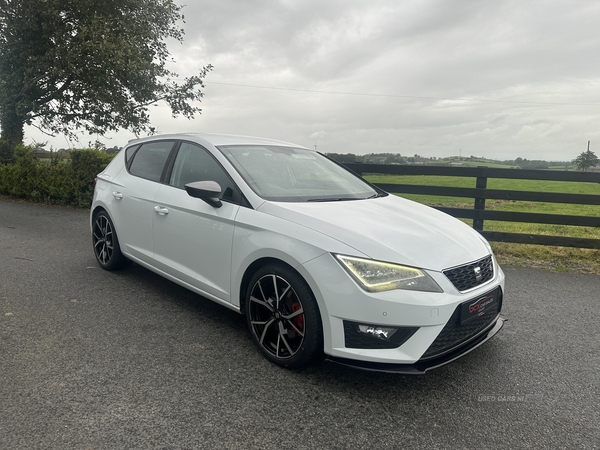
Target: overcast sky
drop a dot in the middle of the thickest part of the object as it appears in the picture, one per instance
(499, 79)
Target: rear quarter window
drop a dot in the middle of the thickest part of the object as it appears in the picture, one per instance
(129, 152)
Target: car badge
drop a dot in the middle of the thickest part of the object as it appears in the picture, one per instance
(478, 275)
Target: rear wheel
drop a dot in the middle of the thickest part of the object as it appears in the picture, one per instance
(283, 316)
(106, 244)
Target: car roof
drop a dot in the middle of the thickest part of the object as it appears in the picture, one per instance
(217, 139)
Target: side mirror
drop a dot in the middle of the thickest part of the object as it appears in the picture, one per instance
(205, 190)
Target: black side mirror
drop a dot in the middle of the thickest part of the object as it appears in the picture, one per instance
(205, 190)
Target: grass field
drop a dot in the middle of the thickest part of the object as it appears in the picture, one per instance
(557, 258)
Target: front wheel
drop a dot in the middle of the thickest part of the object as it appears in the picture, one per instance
(283, 316)
(106, 244)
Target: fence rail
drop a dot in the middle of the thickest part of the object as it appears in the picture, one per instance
(480, 193)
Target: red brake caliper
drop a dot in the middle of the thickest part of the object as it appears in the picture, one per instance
(299, 319)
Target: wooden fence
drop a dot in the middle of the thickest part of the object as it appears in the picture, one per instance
(480, 193)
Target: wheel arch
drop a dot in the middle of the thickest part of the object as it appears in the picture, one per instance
(98, 208)
(265, 260)
(95, 210)
(252, 269)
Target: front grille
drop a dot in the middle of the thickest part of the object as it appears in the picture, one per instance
(355, 339)
(454, 334)
(466, 277)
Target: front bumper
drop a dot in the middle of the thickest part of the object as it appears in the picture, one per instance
(435, 328)
(423, 365)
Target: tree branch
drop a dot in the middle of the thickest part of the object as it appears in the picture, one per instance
(54, 95)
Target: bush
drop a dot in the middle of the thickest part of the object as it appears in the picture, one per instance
(85, 165)
(57, 181)
(6, 152)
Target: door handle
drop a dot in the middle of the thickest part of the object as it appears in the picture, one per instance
(117, 195)
(162, 211)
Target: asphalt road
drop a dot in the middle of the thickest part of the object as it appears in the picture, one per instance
(97, 360)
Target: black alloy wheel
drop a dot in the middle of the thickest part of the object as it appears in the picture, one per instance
(106, 244)
(283, 316)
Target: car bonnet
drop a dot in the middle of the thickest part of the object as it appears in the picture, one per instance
(389, 229)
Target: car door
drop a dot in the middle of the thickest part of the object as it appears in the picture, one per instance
(192, 239)
(134, 194)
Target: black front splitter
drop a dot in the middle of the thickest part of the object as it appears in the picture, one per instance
(420, 367)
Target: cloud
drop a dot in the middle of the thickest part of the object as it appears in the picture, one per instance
(499, 79)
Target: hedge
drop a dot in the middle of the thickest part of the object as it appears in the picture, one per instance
(56, 181)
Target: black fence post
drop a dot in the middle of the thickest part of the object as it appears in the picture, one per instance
(479, 202)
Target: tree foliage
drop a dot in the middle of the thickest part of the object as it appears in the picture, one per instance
(536, 164)
(372, 158)
(586, 160)
(89, 64)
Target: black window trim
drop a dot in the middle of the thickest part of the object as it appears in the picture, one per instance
(128, 161)
(168, 168)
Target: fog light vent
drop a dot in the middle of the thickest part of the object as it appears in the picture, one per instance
(378, 332)
(358, 335)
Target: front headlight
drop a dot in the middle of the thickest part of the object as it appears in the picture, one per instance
(377, 276)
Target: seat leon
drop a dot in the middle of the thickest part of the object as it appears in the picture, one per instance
(319, 261)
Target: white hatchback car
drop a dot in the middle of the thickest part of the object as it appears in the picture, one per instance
(319, 261)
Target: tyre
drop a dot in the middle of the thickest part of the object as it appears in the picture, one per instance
(106, 244)
(283, 316)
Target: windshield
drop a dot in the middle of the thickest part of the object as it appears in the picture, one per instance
(289, 174)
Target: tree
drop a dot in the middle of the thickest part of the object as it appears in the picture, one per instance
(89, 64)
(532, 164)
(586, 160)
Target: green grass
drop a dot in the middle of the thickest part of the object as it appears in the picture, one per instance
(558, 258)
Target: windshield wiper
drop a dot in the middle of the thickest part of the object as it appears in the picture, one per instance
(332, 199)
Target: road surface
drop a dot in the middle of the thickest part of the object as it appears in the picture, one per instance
(97, 360)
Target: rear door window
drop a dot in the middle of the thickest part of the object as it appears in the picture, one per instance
(149, 161)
